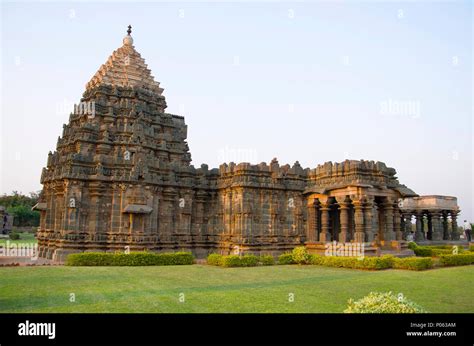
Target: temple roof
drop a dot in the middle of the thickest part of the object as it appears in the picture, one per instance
(125, 67)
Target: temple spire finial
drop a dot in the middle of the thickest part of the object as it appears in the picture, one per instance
(128, 40)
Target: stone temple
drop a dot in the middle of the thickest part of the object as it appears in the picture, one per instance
(121, 178)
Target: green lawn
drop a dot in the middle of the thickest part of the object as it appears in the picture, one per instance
(25, 237)
(214, 289)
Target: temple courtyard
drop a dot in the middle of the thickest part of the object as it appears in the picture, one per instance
(202, 289)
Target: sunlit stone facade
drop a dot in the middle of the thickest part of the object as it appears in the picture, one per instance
(121, 178)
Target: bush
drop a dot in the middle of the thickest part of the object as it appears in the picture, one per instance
(448, 251)
(383, 303)
(423, 251)
(230, 261)
(300, 255)
(375, 263)
(248, 261)
(214, 259)
(317, 259)
(413, 263)
(436, 251)
(457, 260)
(131, 259)
(236, 261)
(471, 248)
(267, 260)
(446, 247)
(371, 263)
(286, 258)
(14, 236)
(412, 245)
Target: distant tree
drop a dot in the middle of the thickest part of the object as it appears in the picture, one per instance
(19, 206)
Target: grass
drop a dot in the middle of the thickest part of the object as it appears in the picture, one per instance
(214, 289)
(25, 237)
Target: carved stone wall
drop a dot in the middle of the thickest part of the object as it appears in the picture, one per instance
(120, 178)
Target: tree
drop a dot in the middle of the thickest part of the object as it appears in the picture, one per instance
(19, 206)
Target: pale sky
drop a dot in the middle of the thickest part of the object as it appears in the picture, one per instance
(308, 81)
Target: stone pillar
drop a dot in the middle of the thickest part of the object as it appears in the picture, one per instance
(344, 220)
(407, 224)
(368, 222)
(445, 226)
(397, 223)
(454, 225)
(312, 221)
(389, 234)
(437, 232)
(325, 235)
(116, 213)
(429, 234)
(359, 235)
(419, 235)
(375, 222)
(94, 211)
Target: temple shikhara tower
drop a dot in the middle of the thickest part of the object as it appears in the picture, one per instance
(121, 178)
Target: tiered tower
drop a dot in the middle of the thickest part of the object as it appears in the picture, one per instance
(121, 169)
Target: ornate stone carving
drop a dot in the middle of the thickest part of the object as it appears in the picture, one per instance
(121, 176)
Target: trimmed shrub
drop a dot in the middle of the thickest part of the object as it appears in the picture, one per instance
(316, 259)
(448, 251)
(248, 261)
(214, 259)
(457, 260)
(375, 263)
(300, 255)
(236, 261)
(413, 263)
(379, 303)
(371, 263)
(436, 251)
(230, 261)
(423, 251)
(14, 236)
(471, 248)
(412, 245)
(445, 247)
(131, 259)
(286, 258)
(267, 260)
(90, 259)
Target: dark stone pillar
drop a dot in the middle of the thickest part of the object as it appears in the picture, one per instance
(397, 222)
(429, 234)
(359, 235)
(389, 229)
(407, 224)
(445, 226)
(437, 232)
(419, 234)
(454, 225)
(325, 235)
(368, 220)
(344, 206)
(312, 220)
